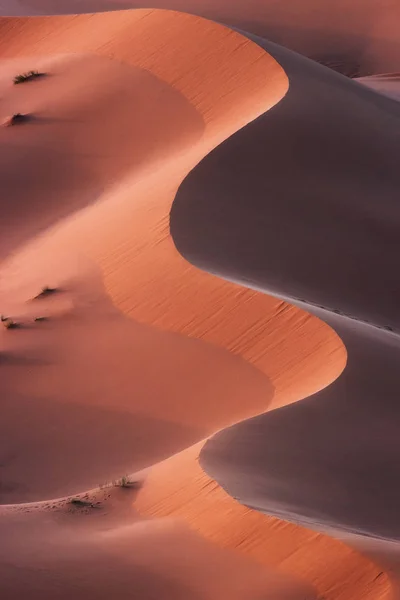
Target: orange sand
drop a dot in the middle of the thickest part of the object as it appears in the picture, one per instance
(208, 82)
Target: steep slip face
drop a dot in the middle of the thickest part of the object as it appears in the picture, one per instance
(365, 41)
(303, 203)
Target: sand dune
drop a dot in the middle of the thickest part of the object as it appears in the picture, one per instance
(364, 42)
(229, 81)
(160, 287)
(91, 394)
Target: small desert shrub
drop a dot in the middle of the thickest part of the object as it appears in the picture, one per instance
(9, 323)
(22, 77)
(46, 291)
(125, 482)
(39, 319)
(17, 118)
(81, 503)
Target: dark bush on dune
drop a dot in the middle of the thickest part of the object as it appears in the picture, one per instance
(125, 482)
(9, 323)
(17, 118)
(22, 77)
(46, 291)
(81, 503)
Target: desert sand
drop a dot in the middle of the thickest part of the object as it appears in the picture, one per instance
(141, 356)
(355, 38)
(386, 83)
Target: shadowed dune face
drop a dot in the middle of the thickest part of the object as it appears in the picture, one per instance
(143, 559)
(81, 445)
(330, 462)
(321, 227)
(291, 203)
(365, 41)
(93, 121)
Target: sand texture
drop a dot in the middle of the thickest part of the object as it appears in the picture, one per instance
(170, 173)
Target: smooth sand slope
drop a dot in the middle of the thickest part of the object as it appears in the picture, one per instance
(63, 154)
(355, 38)
(111, 552)
(229, 81)
(386, 83)
(336, 126)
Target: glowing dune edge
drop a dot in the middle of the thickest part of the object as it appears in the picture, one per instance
(84, 245)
